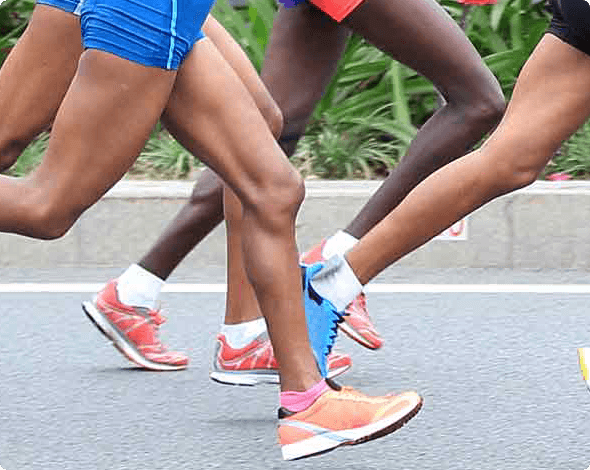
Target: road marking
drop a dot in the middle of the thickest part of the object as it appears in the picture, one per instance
(377, 288)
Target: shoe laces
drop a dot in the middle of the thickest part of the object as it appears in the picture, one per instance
(362, 302)
(157, 319)
(334, 328)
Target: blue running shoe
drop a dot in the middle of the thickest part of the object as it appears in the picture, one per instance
(322, 318)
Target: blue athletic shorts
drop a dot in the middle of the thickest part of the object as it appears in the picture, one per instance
(155, 33)
(69, 6)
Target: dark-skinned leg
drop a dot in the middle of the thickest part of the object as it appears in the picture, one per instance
(140, 285)
(409, 31)
(301, 58)
(551, 93)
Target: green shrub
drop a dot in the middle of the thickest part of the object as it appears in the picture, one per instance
(14, 15)
(373, 107)
(574, 156)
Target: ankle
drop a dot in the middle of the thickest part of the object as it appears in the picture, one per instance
(241, 334)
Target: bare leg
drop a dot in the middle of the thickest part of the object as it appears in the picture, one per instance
(204, 211)
(301, 58)
(421, 35)
(35, 77)
(86, 155)
(254, 167)
(241, 303)
(553, 94)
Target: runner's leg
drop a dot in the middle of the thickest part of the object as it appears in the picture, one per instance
(408, 32)
(553, 94)
(35, 77)
(204, 210)
(301, 58)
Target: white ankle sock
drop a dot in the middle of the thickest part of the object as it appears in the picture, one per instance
(139, 288)
(337, 282)
(338, 244)
(242, 334)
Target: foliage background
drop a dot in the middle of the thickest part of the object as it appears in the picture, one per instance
(373, 106)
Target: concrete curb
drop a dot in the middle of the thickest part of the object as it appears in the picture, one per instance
(540, 227)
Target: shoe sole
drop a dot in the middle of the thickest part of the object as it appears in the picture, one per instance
(353, 334)
(584, 359)
(252, 379)
(318, 445)
(120, 342)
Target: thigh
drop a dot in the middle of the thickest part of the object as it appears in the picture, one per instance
(36, 75)
(421, 35)
(301, 58)
(100, 128)
(551, 100)
(239, 62)
(212, 113)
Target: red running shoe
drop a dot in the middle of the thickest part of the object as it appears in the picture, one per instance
(133, 330)
(255, 363)
(357, 324)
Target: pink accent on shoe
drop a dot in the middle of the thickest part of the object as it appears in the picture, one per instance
(299, 401)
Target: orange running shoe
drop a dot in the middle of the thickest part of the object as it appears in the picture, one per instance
(255, 363)
(133, 330)
(357, 324)
(343, 416)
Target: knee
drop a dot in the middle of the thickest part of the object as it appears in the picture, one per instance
(486, 108)
(50, 221)
(48, 214)
(513, 172)
(512, 176)
(482, 107)
(278, 198)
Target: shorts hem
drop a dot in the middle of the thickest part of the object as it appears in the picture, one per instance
(338, 14)
(565, 38)
(68, 7)
(162, 63)
(130, 56)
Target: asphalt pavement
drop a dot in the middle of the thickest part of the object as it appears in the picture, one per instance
(498, 372)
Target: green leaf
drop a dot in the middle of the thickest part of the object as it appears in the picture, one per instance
(497, 12)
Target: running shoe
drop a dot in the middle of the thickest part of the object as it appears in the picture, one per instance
(322, 319)
(343, 416)
(255, 363)
(133, 330)
(584, 358)
(357, 323)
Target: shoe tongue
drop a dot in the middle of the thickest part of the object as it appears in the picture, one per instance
(333, 385)
(143, 311)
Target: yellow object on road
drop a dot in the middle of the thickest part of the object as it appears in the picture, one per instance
(584, 358)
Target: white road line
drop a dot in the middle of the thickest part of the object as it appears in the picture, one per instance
(62, 288)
